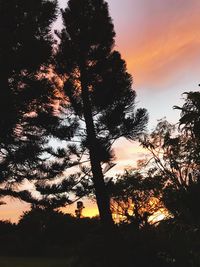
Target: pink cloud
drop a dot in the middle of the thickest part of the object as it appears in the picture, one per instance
(158, 39)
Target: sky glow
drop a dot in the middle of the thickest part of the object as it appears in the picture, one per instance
(160, 42)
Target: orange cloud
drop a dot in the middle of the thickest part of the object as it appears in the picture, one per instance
(162, 42)
(161, 58)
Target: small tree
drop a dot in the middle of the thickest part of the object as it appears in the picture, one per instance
(135, 198)
(172, 159)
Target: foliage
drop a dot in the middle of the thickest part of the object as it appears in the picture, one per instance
(97, 97)
(171, 154)
(135, 198)
(26, 95)
(190, 114)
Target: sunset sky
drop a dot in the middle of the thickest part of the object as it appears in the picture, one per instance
(160, 41)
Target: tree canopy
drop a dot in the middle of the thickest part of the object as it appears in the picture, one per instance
(26, 95)
(98, 99)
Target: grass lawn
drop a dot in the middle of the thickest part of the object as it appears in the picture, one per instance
(33, 262)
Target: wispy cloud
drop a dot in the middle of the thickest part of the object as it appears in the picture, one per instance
(159, 39)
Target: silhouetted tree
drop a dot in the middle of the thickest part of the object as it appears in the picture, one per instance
(173, 161)
(26, 95)
(190, 120)
(190, 113)
(97, 89)
(136, 197)
(189, 124)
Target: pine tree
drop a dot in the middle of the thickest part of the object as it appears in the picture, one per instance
(26, 95)
(97, 92)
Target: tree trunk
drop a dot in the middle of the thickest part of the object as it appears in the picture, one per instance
(102, 197)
